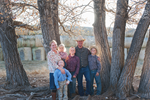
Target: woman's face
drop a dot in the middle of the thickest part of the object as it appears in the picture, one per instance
(53, 46)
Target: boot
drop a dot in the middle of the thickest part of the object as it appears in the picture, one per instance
(53, 95)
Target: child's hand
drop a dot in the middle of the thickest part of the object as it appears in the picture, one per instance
(58, 88)
(74, 76)
(98, 58)
(62, 71)
(67, 82)
(97, 74)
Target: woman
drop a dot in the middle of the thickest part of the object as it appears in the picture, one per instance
(53, 57)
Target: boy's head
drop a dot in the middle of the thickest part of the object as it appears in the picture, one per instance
(61, 48)
(60, 63)
(72, 50)
(94, 50)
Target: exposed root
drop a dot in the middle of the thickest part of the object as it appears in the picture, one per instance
(31, 96)
(76, 97)
(35, 92)
(108, 93)
(13, 95)
(89, 97)
(25, 89)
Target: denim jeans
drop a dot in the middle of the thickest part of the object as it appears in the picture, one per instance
(52, 83)
(62, 92)
(98, 82)
(72, 85)
(86, 72)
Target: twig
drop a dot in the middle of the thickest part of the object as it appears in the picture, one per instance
(23, 5)
(31, 96)
(22, 25)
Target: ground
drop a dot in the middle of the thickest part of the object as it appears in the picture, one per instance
(38, 75)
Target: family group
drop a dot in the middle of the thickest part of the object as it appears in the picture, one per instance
(65, 69)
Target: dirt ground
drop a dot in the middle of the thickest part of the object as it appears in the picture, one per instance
(38, 74)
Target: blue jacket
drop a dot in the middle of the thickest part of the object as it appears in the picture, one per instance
(58, 76)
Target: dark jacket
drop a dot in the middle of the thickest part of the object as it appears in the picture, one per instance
(83, 54)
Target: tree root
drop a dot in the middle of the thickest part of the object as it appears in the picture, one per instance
(25, 89)
(108, 93)
(31, 96)
(134, 96)
(13, 95)
(35, 92)
(76, 97)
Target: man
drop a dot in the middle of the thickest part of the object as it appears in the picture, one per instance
(83, 53)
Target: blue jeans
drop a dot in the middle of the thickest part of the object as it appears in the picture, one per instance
(72, 85)
(52, 83)
(98, 82)
(86, 72)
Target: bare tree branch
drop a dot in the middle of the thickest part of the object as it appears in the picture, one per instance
(23, 5)
(22, 25)
(64, 29)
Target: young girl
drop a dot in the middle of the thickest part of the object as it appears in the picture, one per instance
(73, 65)
(95, 66)
(62, 52)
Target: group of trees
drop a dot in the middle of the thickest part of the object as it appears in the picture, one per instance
(117, 75)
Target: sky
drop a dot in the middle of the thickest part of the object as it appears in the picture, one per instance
(90, 16)
(110, 18)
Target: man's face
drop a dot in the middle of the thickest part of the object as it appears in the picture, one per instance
(80, 43)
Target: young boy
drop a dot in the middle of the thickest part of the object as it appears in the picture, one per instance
(95, 66)
(73, 65)
(60, 81)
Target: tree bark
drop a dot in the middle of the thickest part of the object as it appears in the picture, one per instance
(16, 75)
(118, 43)
(102, 42)
(55, 20)
(46, 22)
(124, 86)
(144, 87)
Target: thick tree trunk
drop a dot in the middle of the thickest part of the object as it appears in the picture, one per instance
(102, 42)
(46, 22)
(144, 87)
(125, 81)
(118, 43)
(16, 75)
(55, 20)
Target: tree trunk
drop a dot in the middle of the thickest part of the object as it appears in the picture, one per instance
(125, 81)
(55, 20)
(118, 43)
(16, 75)
(102, 42)
(144, 87)
(46, 22)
